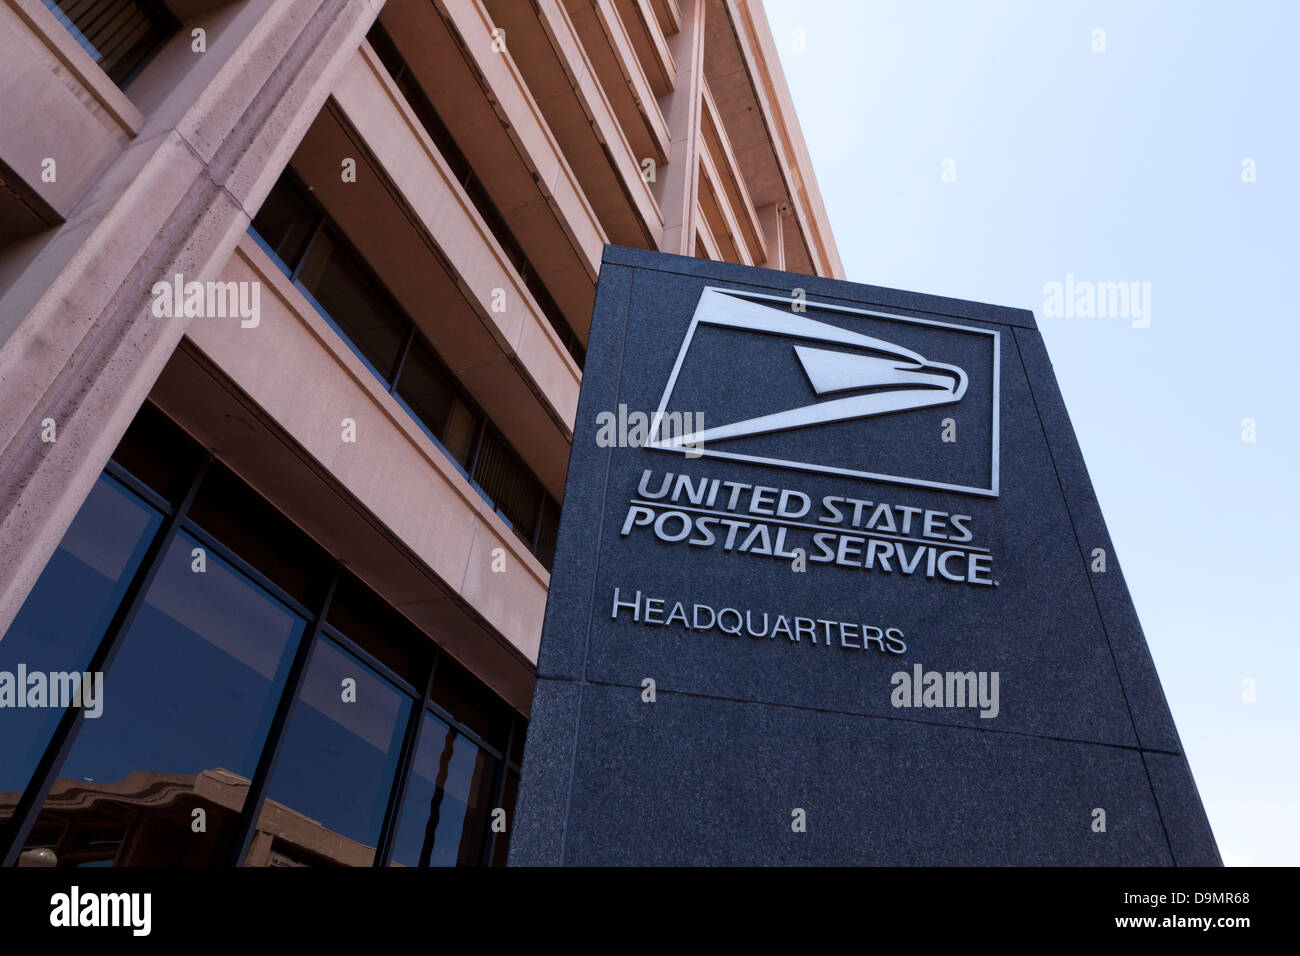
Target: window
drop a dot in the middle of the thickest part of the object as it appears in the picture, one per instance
(447, 800)
(341, 288)
(231, 513)
(250, 683)
(65, 617)
(358, 616)
(120, 35)
(317, 257)
(188, 702)
(474, 188)
(428, 390)
(337, 763)
(286, 222)
(509, 794)
(504, 478)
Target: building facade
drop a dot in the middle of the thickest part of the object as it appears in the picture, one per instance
(294, 299)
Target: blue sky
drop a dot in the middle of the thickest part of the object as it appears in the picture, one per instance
(1117, 166)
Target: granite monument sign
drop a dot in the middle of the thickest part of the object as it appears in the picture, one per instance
(832, 587)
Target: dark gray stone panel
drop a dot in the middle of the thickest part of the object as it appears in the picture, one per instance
(537, 838)
(747, 728)
(1180, 806)
(1146, 698)
(569, 601)
(1039, 628)
(687, 780)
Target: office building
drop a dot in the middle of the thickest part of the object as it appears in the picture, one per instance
(294, 300)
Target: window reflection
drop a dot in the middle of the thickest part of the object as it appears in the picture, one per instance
(501, 847)
(65, 615)
(187, 705)
(195, 692)
(446, 807)
(334, 775)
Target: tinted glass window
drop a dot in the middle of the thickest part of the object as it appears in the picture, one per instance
(429, 391)
(159, 454)
(179, 722)
(344, 290)
(470, 702)
(187, 704)
(364, 618)
(446, 807)
(64, 619)
(243, 521)
(334, 775)
(286, 221)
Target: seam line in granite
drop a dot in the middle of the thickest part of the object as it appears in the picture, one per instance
(1096, 599)
(595, 567)
(901, 719)
(1173, 857)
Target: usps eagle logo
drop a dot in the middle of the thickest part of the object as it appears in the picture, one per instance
(852, 376)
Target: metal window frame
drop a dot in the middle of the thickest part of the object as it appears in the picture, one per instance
(488, 850)
(175, 521)
(162, 27)
(326, 222)
(445, 142)
(251, 812)
(401, 782)
(65, 734)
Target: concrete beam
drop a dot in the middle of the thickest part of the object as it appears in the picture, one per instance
(219, 127)
(677, 185)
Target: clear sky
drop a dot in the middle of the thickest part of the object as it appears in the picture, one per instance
(1117, 166)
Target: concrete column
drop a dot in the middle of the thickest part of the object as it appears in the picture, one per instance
(677, 184)
(219, 126)
(769, 219)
